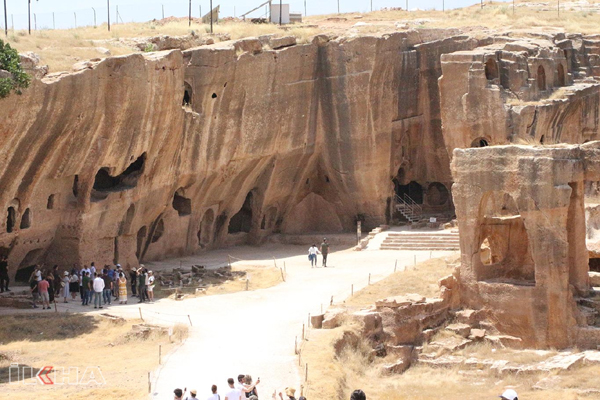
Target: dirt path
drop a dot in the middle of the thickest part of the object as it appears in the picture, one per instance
(253, 332)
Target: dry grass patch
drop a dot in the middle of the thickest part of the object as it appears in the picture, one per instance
(65, 340)
(258, 276)
(422, 279)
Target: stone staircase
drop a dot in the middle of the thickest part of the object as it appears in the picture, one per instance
(421, 241)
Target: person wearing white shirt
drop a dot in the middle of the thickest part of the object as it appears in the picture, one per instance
(214, 395)
(232, 393)
(312, 255)
(98, 286)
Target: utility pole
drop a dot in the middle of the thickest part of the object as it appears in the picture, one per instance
(29, 14)
(117, 17)
(559, 8)
(34, 22)
(371, 5)
(163, 11)
(406, 5)
(304, 8)
(338, 6)
(280, 12)
(53, 21)
(75, 14)
(108, 8)
(190, 14)
(94, 16)
(5, 20)
(211, 15)
(200, 11)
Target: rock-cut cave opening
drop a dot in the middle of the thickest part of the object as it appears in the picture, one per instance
(104, 182)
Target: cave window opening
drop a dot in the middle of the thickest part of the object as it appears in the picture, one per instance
(10, 219)
(326, 179)
(158, 231)
(50, 202)
(491, 69)
(26, 219)
(480, 142)
(263, 224)
(182, 204)
(242, 221)
(214, 96)
(187, 95)
(541, 78)
(76, 186)
(561, 75)
(307, 181)
(104, 182)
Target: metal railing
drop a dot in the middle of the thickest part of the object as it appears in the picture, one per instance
(408, 207)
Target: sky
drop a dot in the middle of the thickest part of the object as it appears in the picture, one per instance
(69, 12)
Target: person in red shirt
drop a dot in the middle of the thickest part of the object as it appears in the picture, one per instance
(43, 286)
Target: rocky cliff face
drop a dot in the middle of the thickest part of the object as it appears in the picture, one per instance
(145, 156)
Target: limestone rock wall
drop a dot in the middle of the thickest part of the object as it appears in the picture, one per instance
(105, 164)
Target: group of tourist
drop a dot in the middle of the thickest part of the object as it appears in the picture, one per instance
(94, 286)
(245, 389)
(313, 251)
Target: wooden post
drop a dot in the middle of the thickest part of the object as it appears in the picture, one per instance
(274, 262)
(321, 308)
(415, 262)
(308, 320)
(306, 374)
(395, 265)
(149, 384)
(190, 319)
(352, 290)
(55, 309)
(246, 284)
(284, 268)
(302, 331)
(331, 302)
(296, 345)
(282, 276)
(369, 278)
(142, 318)
(229, 260)
(160, 354)
(430, 254)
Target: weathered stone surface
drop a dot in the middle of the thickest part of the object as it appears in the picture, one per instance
(460, 329)
(398, 367)
(477, 334)
(278, 43)
(114, 160)
(316, 321)
(450, 344)
(505, 341)
(5, 74)
(333, 318)
(562, 362)
(594, 278)
(371, 322)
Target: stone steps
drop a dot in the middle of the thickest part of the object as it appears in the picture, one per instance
(421, 241)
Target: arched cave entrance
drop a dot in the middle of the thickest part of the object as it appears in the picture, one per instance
(541, 78)
(11, 218)
(26, 219)
(504, 250)
(141, 237)
(412, 190)
(242, 221)
(491, 69)
(187, 94)
(28, 264)
(437, 194)
(561, 75)
(50, 202)
(206, 227)
(182, 204)
(480, 142)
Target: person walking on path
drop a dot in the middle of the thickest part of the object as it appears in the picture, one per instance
(312, 255)
(98, 286)
(43, 286)
(325, 251)
(4, 279)
(141, 275)
(33, 286)
(122, 282)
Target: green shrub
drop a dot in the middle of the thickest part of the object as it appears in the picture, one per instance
(10, 61)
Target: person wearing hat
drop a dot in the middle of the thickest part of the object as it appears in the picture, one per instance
(325, 251)
(193, 393)
(66, 281)
(141, 277)
(289, 392)
(509, 394)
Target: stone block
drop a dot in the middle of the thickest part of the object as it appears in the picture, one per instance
(460, 329)
(333, 318)
(316, 321)
(398, 367)
(278, 43)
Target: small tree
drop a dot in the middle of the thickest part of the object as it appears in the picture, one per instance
(10, 62)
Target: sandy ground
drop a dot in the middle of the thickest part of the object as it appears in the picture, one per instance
(254, 332)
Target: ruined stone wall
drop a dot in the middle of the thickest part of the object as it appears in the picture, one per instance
(106, 165)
